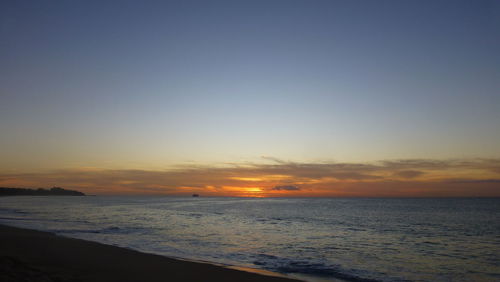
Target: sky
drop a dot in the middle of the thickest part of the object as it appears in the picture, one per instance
(251, 98)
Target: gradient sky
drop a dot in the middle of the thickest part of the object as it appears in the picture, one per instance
(95, 88)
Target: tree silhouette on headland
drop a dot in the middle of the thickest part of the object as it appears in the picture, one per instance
(55, 191)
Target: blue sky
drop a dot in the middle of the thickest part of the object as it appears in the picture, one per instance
(151, 84)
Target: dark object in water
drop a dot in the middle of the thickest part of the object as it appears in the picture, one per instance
(196, 195)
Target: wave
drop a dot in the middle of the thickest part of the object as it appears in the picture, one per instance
(107, 230)
(289, 266)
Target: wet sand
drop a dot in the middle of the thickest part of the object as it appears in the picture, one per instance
(30, 255)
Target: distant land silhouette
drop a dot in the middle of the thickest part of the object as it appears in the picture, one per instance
(55, 191)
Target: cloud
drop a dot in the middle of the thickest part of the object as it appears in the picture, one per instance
(492, 164)
(276, 160)
(475, 181)
(394, 177)
(408, 173)
(286, 188)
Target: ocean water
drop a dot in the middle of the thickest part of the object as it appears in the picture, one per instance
(314, 239)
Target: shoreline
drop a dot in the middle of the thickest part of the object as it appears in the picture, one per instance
(32, 255)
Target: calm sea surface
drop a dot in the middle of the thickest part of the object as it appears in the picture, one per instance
(316, 239)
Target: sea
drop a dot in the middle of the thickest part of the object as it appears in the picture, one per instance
(314, 239)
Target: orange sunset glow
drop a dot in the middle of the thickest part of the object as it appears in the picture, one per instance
(403, 178)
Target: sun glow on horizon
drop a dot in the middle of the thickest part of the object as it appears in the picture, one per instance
(247, 178)
(397, 178)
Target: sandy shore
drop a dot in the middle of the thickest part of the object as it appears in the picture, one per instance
(29, 255)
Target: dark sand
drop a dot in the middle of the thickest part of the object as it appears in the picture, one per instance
(29, 255)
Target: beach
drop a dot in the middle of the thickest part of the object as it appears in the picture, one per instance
(30, 255)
